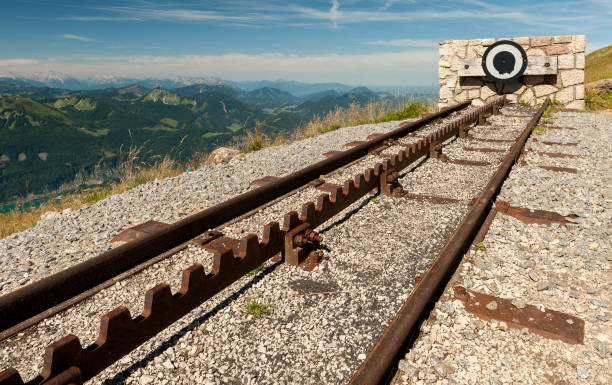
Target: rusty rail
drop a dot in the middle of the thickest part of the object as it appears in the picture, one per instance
(380, 360)
(67, 362)
(33, 299)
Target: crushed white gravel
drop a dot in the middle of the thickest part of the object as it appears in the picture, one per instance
(317, 326)
(568, 269)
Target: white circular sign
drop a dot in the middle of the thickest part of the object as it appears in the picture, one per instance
(503, 61)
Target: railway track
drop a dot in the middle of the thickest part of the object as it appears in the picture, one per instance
(296, 243)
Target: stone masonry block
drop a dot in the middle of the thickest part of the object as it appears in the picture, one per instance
(578, 43)
(477, 102)
(580, 60)
(487, 42)
(512, 98)
(535, 52)
(562, 39)
(473, 94)
(556, 49)
(565, 95)
(461, 97)
(528, 96)
(446, 93)
(460, 52)
(460, 43)
(579, 91)
(487, 91)
(571, 77)
(544, 89)
(446, 50)
(541, 41)
(521, 40)
(576, 104)
(565, 62)
(444, 63)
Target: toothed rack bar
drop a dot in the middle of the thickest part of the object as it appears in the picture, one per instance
(66, 362)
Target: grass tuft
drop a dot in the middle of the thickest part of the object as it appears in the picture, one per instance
(258, 309)
(257, 269)
(481, 246)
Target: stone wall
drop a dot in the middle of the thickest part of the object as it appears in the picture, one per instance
(566, 86)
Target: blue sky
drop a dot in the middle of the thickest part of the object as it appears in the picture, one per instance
(385, 42)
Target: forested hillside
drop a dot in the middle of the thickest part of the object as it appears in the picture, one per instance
(47, 135)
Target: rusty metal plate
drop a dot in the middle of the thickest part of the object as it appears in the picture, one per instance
(219, 245)
(555, 154)
(467, 162)
(430, 199)
(483, 149)
(264, 181)
(548, 323)
(555, 143)
(559, 128)
(558, 155)
(354, 143)
(316, 182)
(139, 231)
(560, 169)
(330, 154)
(529, 216)
(328, 187)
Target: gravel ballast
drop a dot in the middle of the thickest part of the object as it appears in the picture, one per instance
(315, 327)
(567, 269)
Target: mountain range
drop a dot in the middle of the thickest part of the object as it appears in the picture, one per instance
(48, 135)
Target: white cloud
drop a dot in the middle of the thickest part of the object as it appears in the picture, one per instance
(391, 68)
(75, 37)
(144, 13)
(17, 62)
(406, 43)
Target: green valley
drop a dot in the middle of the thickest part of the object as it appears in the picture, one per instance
(49, 135)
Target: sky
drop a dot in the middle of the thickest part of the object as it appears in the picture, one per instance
(384, 42)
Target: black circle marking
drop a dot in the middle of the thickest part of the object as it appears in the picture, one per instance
(505, 61)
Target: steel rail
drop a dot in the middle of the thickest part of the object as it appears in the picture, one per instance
(382, 357)
(120, 333)
(42, 295)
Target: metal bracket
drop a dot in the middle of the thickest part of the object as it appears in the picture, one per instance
(464, 131)
(300, 247)
(435, 152)
(389, 185)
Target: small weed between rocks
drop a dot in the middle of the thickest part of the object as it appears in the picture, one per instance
(340, 172)
(539, 130)
(524, 103)
(480, 246)
(258, 309)
(257, 269)
(184, 356)
(375, 200)
(547, 116)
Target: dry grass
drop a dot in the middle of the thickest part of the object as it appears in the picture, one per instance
(381, 111)
(598, 65)
(597, 102)
(133, 171)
